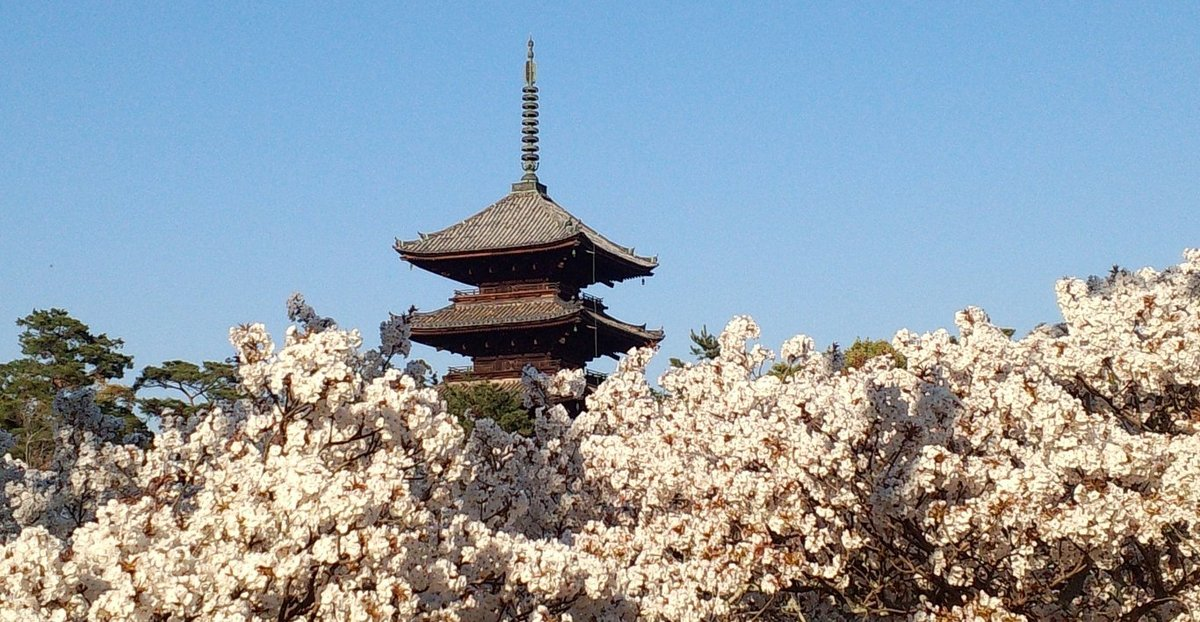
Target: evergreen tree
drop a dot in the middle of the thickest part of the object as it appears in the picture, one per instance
(705, 346)
(60, 353)
(196, 387)
(469, 401)
(863, 350)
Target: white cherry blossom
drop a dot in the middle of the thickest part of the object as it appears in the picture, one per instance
(1056, 476)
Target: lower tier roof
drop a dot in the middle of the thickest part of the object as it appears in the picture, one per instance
(481, 318)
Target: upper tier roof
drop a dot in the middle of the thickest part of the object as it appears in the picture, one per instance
(526, 217)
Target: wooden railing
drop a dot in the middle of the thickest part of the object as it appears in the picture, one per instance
(467, 372)
(513, 288)
(521, 290)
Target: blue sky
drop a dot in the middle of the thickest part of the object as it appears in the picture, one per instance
(168, 170)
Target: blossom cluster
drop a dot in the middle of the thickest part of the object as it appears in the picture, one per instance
(1056, 476)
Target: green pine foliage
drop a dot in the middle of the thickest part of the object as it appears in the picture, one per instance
(193, 388)
(863, 350)
(469, 401)
(60, 353)
(705, 347)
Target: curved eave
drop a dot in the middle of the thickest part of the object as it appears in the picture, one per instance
(632, 332)
(613, 266)
(617, 251)
(492, 315)
(467, 329)
(414, 257)
(526, 217)
(622, 269)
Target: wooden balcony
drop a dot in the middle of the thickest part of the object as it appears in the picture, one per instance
(468, 373)
(514, 291)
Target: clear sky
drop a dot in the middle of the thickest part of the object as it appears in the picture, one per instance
(168, 170)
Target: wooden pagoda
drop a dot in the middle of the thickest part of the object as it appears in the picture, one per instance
(528, 261)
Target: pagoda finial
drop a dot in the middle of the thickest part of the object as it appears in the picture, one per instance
(529, 118)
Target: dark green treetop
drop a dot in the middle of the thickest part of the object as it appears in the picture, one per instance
(469, 401)
(60, 354)
(196, 387)
(705, 346)
(863, 350)
(62, 351)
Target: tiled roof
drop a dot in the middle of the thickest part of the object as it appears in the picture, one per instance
(641, 331)
(525, 217)
(501, 313)
(494, 313)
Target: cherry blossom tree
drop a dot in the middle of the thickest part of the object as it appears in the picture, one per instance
(1050, 477)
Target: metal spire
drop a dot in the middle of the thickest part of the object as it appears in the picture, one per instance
(529, 119)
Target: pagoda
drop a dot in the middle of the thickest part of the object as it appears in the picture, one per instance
(527, 261)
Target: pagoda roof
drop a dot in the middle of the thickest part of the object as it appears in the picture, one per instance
(494, 313)
(525, 218)
(497, 314)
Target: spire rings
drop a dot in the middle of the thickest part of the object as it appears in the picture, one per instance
(529, 118)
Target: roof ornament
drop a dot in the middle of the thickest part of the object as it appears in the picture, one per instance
(529, 118)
